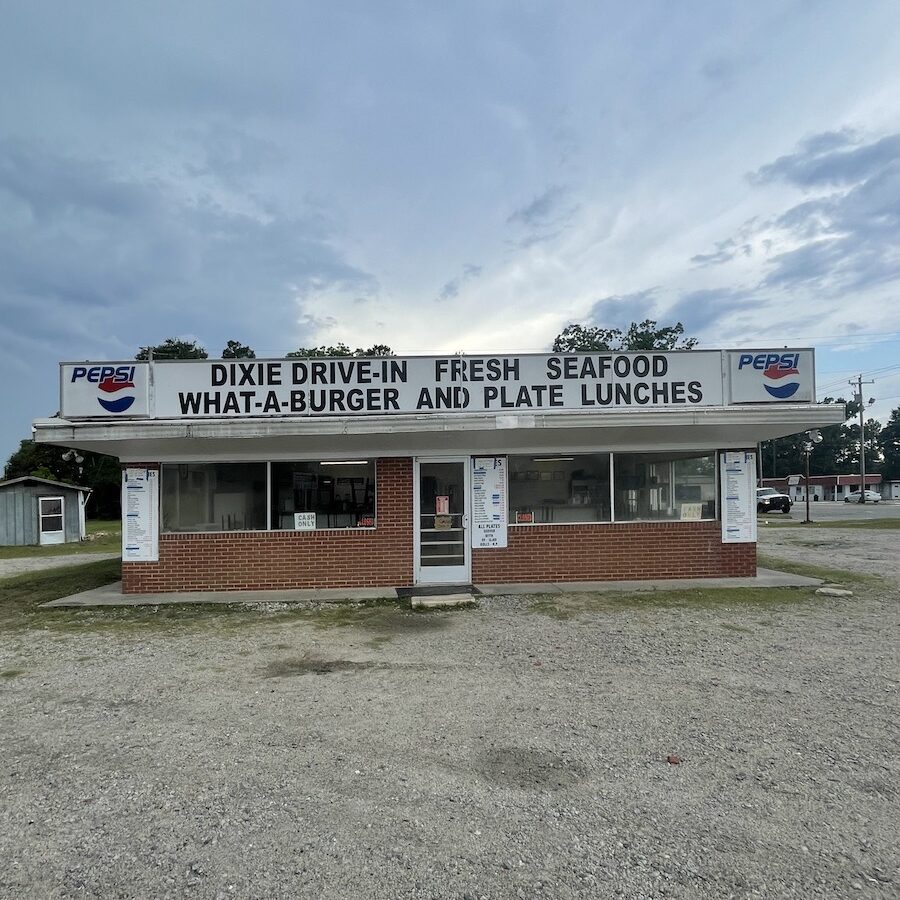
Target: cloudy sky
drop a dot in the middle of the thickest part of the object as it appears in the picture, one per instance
(441, 177)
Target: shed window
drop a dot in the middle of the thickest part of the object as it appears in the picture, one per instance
(339, 494)
(214, 497)
(559, 488)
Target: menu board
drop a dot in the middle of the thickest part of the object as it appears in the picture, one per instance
(140, 515)
(489, 502)
(738, 475)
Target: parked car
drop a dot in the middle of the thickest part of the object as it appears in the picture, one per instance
(768, 499)
(854, 497)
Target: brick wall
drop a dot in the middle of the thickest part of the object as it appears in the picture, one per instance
(260, 560)
(384, 557)
(610, 552)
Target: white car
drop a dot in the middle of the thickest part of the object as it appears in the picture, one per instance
(871, 497)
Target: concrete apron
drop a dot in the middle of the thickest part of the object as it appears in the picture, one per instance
(111, 594)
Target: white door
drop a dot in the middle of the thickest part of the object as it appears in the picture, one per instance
(441, 498)
(51, 514)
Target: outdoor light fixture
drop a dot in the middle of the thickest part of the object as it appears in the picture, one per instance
(552, 458)
(813, 437)
(346, 462)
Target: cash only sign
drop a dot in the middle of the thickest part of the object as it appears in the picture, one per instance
(419, 385)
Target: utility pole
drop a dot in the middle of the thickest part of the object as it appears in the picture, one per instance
(862, 435)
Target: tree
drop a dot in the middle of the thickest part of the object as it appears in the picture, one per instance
(341, 349)
(890, 446)
(646, 335)
(237, 350)
(96, 471)
(173, 348)
(837, 454)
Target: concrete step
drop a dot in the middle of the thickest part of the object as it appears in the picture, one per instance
(442, 601)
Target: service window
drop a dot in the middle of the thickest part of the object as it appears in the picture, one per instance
(214, 496)
(652, 486)
(339, 494)
(559, 489)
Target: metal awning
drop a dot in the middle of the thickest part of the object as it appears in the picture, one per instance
(634, 430)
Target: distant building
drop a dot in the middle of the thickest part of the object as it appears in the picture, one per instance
(822, 487)
(39, 511)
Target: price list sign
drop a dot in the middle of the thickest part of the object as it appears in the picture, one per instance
(738, 497)
(489, 507)
(140, 515)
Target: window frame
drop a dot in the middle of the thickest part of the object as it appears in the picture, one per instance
(342, 529)
(217, 462)
(269, 505)
(682, 454)
(575, 454)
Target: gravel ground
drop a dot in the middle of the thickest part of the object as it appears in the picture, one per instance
(10, 567)
(864, 551)
(517, 750)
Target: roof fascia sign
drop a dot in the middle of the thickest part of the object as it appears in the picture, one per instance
(427, 385)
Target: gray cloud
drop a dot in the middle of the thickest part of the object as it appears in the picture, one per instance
(620, 310)
(540, 211)
(710, 308)
(845, 237)
(850, 238)
(452, 288)
(545, 217)
(725, 251)
(831, 159)
(87, 252)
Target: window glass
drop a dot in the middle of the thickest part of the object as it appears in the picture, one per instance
(340, 494)
(559, 489)
(664, 486)
(213, 496)
(51, 506)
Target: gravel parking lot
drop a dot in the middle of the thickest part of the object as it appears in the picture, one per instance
(516, 750)
(21, 565)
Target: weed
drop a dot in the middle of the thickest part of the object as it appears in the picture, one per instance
(568, 606)
(870, 524)
(834, 576)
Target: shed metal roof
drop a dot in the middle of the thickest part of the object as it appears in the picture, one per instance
(56, 484)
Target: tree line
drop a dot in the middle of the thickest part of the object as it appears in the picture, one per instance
(838, 453)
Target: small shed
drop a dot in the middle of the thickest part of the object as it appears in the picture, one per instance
(39, 511)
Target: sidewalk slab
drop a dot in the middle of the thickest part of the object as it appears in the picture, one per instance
(111, 594)
(765, 578)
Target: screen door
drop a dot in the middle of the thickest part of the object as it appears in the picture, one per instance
(442, 521)
(51, 520)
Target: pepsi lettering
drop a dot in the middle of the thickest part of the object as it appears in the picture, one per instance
(781, 362)
(121, 375)
(780, 372)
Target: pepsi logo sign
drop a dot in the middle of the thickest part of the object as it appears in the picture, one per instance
(775, 368)
(110, 381)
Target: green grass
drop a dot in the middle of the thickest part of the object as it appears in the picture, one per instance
(21, 595)
(873, 524)
(568, 606)
(833, 576)
(102, 537)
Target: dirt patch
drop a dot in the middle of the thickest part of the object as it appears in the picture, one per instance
(311, 665)
(528, 769)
